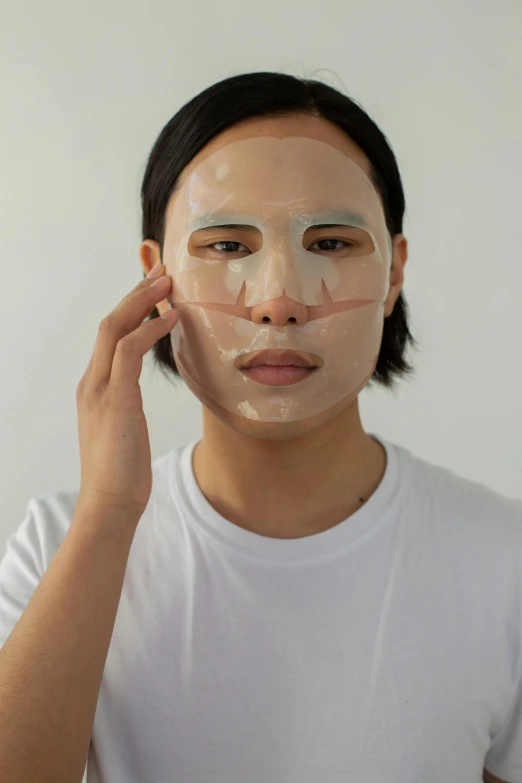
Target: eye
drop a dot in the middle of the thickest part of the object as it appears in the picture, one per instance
(229, 247)
(327, 245)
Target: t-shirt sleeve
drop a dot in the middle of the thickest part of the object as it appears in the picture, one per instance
(28, 553)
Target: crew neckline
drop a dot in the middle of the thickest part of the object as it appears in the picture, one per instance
(379, 509)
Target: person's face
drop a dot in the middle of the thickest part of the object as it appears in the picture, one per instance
(276, 240)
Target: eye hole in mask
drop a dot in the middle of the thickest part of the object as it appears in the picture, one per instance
(229, 243)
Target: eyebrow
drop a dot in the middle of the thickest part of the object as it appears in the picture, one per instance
(336, 219)
(332, 220)
(212, 220)
(238, 226)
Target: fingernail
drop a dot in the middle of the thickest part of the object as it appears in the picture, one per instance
(155, 271)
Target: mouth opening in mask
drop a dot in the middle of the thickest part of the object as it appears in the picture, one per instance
(278, 367)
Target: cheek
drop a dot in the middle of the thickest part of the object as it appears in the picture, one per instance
(201, 280)
(348, 342)
(206, 343)
(363, 278)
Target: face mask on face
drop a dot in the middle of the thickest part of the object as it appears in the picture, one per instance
(283, 189)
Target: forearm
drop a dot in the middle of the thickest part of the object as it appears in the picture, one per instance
(52, 663)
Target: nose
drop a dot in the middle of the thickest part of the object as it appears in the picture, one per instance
(280, 312)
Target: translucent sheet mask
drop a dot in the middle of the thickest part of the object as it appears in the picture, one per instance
(283, 189)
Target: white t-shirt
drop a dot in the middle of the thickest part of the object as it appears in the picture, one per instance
(387, 649)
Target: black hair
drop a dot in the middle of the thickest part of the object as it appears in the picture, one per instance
(265, 94)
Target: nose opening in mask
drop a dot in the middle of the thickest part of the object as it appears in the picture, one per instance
(280, 311)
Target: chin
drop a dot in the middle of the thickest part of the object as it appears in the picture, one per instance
(278, 430)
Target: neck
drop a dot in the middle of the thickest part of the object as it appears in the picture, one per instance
(292, 488)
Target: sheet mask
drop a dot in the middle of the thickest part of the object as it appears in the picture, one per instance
(282, 187)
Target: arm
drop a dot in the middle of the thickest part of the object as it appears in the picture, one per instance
(52, 664)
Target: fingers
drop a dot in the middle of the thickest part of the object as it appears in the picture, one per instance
(128, 357)
(127, 317)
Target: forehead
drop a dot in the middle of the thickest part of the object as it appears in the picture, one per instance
(298, 124)
(302, 173)
(302, 125)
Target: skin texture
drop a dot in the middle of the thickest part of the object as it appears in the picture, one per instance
(321, 470)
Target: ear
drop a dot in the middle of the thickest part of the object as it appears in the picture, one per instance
(150, 256)
(399, 258)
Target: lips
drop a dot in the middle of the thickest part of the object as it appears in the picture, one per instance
(278, 367)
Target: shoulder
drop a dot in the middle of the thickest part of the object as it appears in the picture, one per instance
(453, 493)
(459, 509)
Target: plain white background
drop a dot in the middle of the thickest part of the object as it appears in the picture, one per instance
(86, 88)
